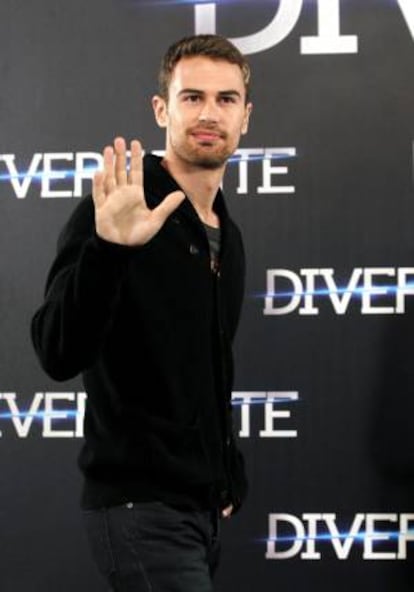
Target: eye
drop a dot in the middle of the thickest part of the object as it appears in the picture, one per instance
(226, 99)
(192, 98)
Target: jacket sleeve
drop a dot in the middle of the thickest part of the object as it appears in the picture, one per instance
(81, 296)
(239, 483)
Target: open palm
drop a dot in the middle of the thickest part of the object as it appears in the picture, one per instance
(121, 213)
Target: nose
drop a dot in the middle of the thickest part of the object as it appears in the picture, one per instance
(209, 112)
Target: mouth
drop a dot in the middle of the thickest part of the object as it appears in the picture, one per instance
(206, 135)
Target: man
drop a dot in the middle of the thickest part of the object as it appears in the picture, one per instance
(143, 299)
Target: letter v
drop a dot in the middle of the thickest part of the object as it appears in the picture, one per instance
(21, 189)
(22, 426)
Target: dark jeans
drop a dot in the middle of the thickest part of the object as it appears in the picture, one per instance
(152, 547)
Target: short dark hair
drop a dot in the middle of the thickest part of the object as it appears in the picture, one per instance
(211, 46)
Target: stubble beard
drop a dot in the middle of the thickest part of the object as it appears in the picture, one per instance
(200, 156)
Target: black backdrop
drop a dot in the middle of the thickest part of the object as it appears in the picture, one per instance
(323, 191)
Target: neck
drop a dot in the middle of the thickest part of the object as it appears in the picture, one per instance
(200, 186)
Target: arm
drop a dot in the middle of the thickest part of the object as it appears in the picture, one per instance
(84, 284)
(81, 297)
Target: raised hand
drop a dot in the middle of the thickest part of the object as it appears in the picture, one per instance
(121, 213)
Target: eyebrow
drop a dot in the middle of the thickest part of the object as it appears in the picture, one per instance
(221, 93)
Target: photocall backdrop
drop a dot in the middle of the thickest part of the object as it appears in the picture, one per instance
(322, 188)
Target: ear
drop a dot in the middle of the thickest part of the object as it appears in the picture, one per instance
(160, 110)
(247, 112)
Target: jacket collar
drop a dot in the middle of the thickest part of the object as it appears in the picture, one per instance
(159, 183)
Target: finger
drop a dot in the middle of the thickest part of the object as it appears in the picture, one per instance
(109, 177)
(120, 161)
(167, 206)
(226, 513)
(98, 191)
(135, 166)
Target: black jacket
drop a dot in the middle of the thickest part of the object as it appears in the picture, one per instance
(150, 329)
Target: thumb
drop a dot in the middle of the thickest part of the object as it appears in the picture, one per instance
(168, 205)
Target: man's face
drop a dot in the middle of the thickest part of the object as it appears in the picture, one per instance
(206, 112)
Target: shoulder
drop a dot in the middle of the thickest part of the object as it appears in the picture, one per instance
(158, 183)
(231, 231)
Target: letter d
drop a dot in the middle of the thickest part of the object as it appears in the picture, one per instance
(279, 27)
(296, 540)
(294, 296)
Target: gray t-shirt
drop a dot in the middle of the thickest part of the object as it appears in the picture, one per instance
(214, 239)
